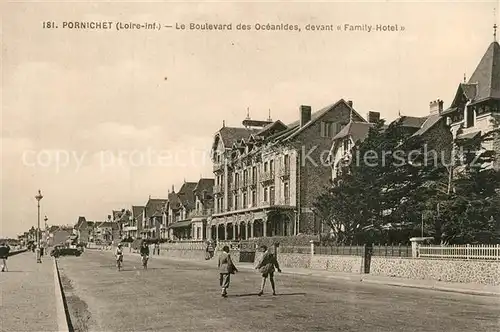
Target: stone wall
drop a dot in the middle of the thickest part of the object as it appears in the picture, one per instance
(337, 263)
(463, 271)
(194, 254)
(334, 263)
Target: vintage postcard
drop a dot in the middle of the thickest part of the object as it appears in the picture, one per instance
(250, 165)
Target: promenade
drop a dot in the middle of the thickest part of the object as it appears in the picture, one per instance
(175, 295)
(27, 296)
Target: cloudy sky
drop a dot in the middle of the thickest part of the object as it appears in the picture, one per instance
(99, 120)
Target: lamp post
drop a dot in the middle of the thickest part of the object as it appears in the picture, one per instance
(38, 256)
(46, 233)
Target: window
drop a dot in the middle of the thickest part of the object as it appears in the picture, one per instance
(346, 145)
(271, 166)
(327, 129)
(271, 194)
(236, 201)
(254, 174)
(286, 192)
(245, 203)
(265, 194)
(286, 162)
(222, 204)
(245, 177)
(254, 198)
(265, 166)
(470, 117)
(236, 180)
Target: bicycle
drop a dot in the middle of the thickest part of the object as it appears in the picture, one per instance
(145, 262)
(119, 262)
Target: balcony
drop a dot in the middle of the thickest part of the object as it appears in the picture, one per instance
(270, 202)
(233, 186)
(218, 189)
(218, 166)
(201, 213)
(267, 177)
(284, 172)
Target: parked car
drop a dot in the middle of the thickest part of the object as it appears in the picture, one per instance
(63, 251)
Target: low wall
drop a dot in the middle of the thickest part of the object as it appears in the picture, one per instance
(334, 263)
(462, 271)
(194, 254)
(337, 263)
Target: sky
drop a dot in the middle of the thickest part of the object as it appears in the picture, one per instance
(102, 119)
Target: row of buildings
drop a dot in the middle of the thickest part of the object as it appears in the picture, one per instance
(267, 174)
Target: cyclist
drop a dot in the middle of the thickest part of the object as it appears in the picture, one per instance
(144, 255)
(119, 256)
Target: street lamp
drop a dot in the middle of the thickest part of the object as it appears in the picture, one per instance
(38, 256)
(45, 233)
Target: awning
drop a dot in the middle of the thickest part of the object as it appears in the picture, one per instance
(181, 224)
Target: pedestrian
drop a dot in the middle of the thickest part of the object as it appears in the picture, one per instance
(4, 254)
(208, 250)
(266, 267)
(226, 268)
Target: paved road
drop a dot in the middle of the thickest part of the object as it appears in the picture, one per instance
(184, 296)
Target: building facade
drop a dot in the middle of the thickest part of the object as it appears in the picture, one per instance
(475, 110)
(268, 174)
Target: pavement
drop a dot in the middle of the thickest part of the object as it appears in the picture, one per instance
(27, 295)
(179, 295)
(466, 288)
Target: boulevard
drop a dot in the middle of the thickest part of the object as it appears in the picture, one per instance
(177, 295)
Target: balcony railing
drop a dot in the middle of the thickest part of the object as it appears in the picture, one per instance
(218, 166)
(270, 202)
(267, 176)
(201, 213)
(218, 189)
(284, 172)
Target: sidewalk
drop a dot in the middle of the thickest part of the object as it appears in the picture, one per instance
(27, 297)
(474, 289)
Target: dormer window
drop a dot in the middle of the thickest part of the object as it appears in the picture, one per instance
(469, 116)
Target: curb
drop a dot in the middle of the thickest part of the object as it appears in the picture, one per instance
(62, 320)
(432, 287)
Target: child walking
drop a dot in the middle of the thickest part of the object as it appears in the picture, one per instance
(266, 267)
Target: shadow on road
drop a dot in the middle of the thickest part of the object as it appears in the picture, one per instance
(256, 294)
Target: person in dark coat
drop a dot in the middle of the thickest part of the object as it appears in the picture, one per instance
(226, 268)
(4, 254)
(267, 266)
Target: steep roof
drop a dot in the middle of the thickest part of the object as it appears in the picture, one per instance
(154, 207)
(81, 221)
(411, 121)
(315, 116)
(174, 201)
(430, 122)
(487, 74)
(186, 194)
(204, 184)
(356, 130)
(137, 210)
(231, 135)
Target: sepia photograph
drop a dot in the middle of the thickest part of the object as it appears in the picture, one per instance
(248, 166)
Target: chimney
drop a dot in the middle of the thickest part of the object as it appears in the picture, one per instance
(173, 190)
(436, 106)
(349, 102)
(373, 117)
(305, 114)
